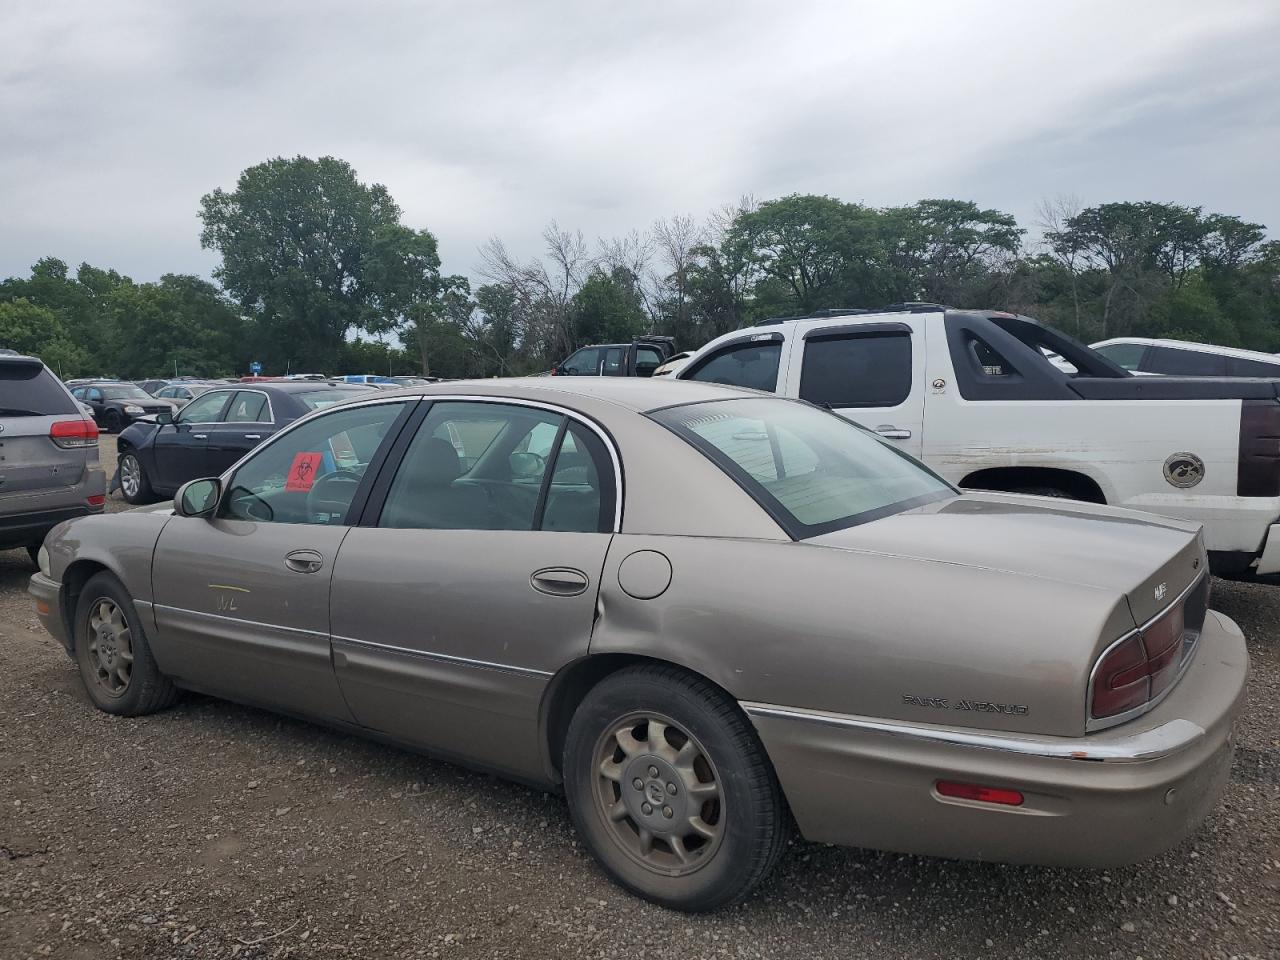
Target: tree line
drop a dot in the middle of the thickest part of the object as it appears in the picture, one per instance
(319, 273)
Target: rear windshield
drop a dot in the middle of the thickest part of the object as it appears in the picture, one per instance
(319, 399)
(27, 389)
(813, 471)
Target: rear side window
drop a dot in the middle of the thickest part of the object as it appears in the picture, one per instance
(750, 364)
(1240, 367)
(647, 360)
(249, 406)
(859, 370)
(319, 399)
(28, 389)
(1185, 363)
(613, 360)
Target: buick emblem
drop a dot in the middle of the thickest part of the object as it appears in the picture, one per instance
(1161, 590)
(1184, 470)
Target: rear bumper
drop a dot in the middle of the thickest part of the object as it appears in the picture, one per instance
(1110, 798)
(47, 594)
(29, 528)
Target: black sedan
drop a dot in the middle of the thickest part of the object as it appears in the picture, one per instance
(115, 405)
(212, 432)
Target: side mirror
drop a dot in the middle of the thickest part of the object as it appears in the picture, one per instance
(163, 417)
(197, 498)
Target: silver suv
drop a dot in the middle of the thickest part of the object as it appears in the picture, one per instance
(48, 455)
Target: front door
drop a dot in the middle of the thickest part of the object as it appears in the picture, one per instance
(242, 598)
(475, 579)
(245, 422)
(869, 372)
(181, 448)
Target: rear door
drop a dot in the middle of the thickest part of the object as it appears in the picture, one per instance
(871, 373)
(473, 578)
(31, 402)
(246, 420)
(181, 448)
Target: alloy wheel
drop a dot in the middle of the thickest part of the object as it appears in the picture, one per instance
(658, 793)
(130, 475)
(110, 640)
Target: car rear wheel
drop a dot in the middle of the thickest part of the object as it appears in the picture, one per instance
(113, 423)
(134, 483)
(671, 790)
(112, 652)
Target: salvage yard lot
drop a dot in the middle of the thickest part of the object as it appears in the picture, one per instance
(214, 830)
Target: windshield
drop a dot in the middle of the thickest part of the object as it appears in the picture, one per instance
(319, 399)
(126, 393)
(812, 470)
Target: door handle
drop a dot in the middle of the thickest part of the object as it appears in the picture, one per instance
(253, 436)
(303, 561)
(890, 432)
(559, 581)
(199, 436)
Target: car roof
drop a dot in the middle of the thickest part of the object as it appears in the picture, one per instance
(1192, 345)
(640, 394)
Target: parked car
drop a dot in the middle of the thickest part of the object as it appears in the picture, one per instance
(212, 432)
(778, 616)
(1181, 358)
(116, 405)
(974, 395)
(180, 394)
(48, 454)
(639, 358)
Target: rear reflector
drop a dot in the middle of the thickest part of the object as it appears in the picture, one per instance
(74, 433)
(96, 500)
(975, 791)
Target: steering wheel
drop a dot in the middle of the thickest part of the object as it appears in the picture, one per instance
(333, 492)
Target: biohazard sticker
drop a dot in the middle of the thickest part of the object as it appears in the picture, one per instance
(302, 472)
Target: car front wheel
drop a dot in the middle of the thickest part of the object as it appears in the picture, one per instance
(113, 654)
(670, 789)
(134, 483)
(114, 424)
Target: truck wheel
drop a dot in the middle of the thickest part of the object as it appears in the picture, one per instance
(134, 483)
(670, 789)
(113, 422)
(112, 652)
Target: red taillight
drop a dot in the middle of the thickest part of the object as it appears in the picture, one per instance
(74, 433)
(1140, 668)
(975, 791)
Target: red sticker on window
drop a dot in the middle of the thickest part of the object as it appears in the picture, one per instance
(302, 472)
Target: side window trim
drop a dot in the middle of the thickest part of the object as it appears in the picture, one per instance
(371, 506)
(549, 471)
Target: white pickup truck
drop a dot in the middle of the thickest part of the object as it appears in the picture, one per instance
(974, 395)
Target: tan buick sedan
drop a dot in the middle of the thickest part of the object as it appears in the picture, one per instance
(702, 613)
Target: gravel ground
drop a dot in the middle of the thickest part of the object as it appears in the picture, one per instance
(214, 830)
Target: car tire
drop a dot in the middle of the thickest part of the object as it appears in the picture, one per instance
(112, 422)
(135, 486)
(33, 551)
(113, 654)
(695, 818)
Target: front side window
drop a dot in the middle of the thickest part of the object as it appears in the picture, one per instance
(814, 472)
(311, 473)
(859, 370)
(751, 364)
(584, 363)
(1127, 355)
(206, 409)
(492, 466)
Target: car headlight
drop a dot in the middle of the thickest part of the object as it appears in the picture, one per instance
(42, 561)
(133, 408)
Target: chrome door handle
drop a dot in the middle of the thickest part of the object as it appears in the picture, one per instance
(303, 561)
(253, 436)
(199, 436)
(559, 581)
(890, 432)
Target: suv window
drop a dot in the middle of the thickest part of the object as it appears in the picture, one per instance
(311, 473)
(744, 364)
(206, 409)
(1241, 367)
(584, 363)
(28, 389)
(249, 406)
(1185, 363)
(1127, 355)
(613, 361)
(859, 370)
(648, 359)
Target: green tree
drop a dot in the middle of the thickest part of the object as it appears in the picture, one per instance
(607, 308)
(40, 332)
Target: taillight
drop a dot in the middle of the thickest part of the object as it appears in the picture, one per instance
(1145, 665)
(976, 791)
(96, 500)
(74, 433)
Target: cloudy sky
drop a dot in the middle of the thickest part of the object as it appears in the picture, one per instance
(487, 118)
